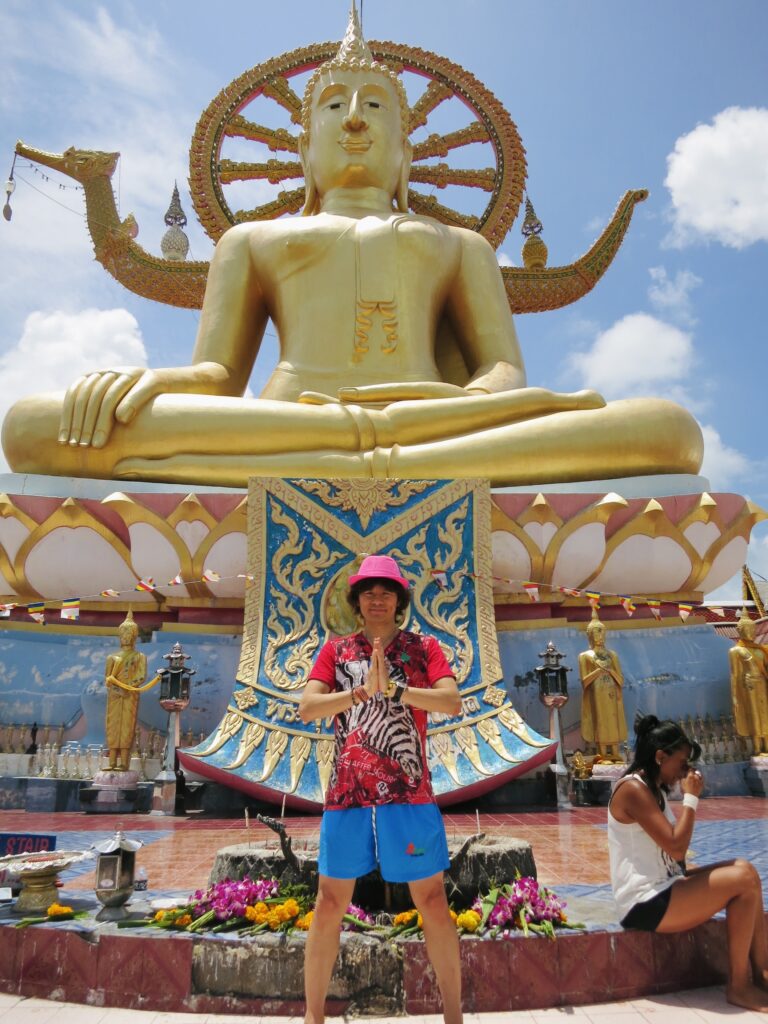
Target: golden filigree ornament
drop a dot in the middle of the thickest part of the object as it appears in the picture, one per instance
(494, 695)
(250, 739)
(490, 732)
(440, 746)
(245, 699)
(364, 497)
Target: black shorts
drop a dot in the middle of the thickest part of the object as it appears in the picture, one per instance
(647, 916)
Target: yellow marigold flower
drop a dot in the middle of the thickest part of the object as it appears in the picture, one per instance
(405, 918)
(453, 914)
(273, 920)
(469, 920)
(160, 915)
(257, 913)
(419, 920)
(292, 908)
(56, 909)
(184, 920)
(304, 922)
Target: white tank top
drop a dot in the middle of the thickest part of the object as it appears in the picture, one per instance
(640, 869)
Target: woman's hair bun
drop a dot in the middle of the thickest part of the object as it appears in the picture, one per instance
(645, 724)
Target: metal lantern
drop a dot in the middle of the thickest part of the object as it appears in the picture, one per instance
(553, 677)
(553, 694)
(175, 679)
(174, 698)
(115, 869)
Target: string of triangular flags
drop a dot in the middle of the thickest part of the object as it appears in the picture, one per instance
(69, 608)
(628, 601)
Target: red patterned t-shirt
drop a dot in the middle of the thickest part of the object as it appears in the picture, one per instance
(380, 749)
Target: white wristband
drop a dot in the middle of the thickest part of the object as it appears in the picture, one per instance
(689, 800)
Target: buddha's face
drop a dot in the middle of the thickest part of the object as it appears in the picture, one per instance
(597, 637)
(746, 629)
(356, 136)
(127, 633)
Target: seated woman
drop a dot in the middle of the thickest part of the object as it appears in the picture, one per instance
(647, 846)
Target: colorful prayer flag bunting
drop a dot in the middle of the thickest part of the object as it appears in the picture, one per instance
(532, 590)
(627, 604)
(110, 593)
(718, 611)
(37, 610)
(147, 584)
(594, 597)
(569, 592)
(684, 610)
(177, 581)
(210, 576)
(5, 611)
(70, 608)
(655, 607)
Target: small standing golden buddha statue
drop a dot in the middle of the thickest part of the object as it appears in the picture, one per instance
(603, 721)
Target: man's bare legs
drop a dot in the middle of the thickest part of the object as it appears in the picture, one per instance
(735, 886)
(442, 941)
(333, 898)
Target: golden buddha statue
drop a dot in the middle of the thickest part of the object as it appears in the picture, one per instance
(124, 674)
(398, 354)
(603, 721)
(749, 684)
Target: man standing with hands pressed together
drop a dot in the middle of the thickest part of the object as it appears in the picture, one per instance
(380, 811)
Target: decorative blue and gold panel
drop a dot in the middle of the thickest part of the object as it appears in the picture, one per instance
(306, 537)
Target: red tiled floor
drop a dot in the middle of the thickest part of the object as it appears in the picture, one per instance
(569, 847)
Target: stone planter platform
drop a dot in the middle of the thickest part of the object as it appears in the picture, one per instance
(147, 969)
(476, 863)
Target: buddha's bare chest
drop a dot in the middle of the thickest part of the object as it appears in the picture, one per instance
(368, 260)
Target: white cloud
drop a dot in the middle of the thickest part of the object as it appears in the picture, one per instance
(504, 260)
(723, 465)
(95, 49)
(671, 296)
(717, 176)
(56, 348)
(638, 355)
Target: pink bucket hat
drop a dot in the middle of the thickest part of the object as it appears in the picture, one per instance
(379, 567)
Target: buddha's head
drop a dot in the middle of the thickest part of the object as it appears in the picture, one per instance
(355, 119)
(128, 631)
(596, 632)
(745, 627)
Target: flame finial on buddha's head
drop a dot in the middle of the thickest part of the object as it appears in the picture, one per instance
(353, 46)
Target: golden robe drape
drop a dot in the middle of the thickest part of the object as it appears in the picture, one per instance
(130, 667)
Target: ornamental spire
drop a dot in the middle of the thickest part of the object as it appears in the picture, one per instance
(534, 249)
(353, 46)
(174, 243)
(175, 216)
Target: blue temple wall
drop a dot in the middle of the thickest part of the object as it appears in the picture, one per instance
(57, 678)
(670, 672)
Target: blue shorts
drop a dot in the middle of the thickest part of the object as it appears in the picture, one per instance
(405, 841)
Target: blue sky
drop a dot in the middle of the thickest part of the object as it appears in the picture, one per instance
(607, 96)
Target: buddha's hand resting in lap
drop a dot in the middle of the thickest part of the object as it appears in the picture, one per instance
(98, 400)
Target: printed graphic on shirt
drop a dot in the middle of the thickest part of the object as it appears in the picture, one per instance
(380, 744)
